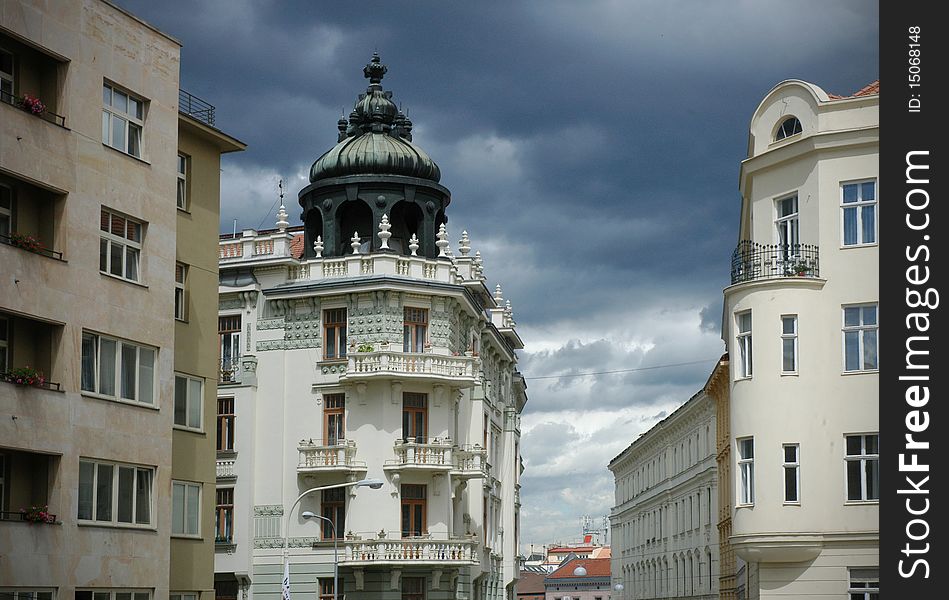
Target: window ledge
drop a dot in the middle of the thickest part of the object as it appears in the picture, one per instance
(126, 154)
(183, 210)
(188, 429)
(127, 402)
(853, 246)
(186, 536)
(863, 372)
(790, 374)
(105, 525)
(124, 280)
(861, 502)
(332, 361)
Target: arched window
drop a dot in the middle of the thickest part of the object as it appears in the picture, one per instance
(790, 126)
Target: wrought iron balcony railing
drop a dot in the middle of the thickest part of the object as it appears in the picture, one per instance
(24, 105)
(752, 261)
(195, 107)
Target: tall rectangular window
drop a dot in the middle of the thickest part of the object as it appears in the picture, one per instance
(860, 337)
(743, 320)
(326, 588)
(112, 594)
(864, 584)
(119, 369)
(225, 424)
(183, 162)
(115, 493)
(6, 77)
(413, 510)
(189, 401)
(333, 507)
(789, 343)
(229, 342)
(4, 344)
(122, 120)
(413, 588)
(788, 228)
(858, 204)
(224, 516)
(6, 212)
(414, 417)
(181, 305)
(414, 329)
(792, 473)
(334, 418)
(120, 245)
(746, 470)
(863, 467)
(185, 508)
(334, 333)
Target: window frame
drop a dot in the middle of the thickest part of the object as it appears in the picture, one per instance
(130, 122)
(114, 493)
(860, 581)
(181, 293)
(112, 593)
(130, 246)
(414, 403)
(864, 459)
(420, 529)
(326, 586)
(6, 214)
(414, 329)
(333, 507)
(186, 517)
(334, 418)
(184, 595)
(417, 591)
(858, 205)
(861, 329)
(189, 401)
(224, 514)
(4, 343)
(229, 346)
(745, 495)
(226, 424)
(793, 338)
(794, 466)
(183, 169)
(9, 76)
(118, 358)
(743, 340)
(788, 228)
(796, 128)
(335, 320)
(28, 593)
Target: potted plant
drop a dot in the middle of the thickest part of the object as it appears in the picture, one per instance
(799, 268)
(365, 347)
(32, 104)
(37, 514)
(23, 376)
(27, 242)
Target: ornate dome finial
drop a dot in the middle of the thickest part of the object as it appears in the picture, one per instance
(375, 70)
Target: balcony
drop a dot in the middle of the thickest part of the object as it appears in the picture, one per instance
(27, 347)
(229, 371)
(195, 108)
(469, 462)
(226, 469)
(409, 552)
(328, 456)
(34, 81)
(752, 261)
(26, 485)
(30, 218)
(421, 454)
(457, 371)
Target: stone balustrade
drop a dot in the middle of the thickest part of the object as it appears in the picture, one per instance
(460, 371)
(409, 552)
(469, 462)
(335, 455)
(225, 468)
(432, 454)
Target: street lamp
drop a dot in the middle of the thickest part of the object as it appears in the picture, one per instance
(374, 484)
(310, 515)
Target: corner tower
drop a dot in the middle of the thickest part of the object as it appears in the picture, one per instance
(373, 170)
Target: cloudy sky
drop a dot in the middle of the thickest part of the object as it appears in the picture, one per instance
(592, 150)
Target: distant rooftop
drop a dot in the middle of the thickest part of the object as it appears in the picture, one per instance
(870, 89)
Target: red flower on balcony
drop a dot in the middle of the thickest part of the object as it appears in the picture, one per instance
(23, 376)
(37, 514)
(32, 104)
(27, 242)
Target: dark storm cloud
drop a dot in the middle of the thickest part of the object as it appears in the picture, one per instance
(592, 150)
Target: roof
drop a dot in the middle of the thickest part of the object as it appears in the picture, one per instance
(871, 89)
(563, 549)
(596, 567)
(296, 246)
(530, 582)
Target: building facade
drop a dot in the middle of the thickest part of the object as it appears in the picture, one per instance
(801, 324)
(664, 534)
(580, 579)
(90, 236)
(359, 346)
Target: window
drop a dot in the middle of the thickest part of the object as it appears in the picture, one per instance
(181, 306)
(334, 333)
(122, 117)
(101, 594)
(25, 594)
(120, 245)
(229, 336)
(225, 424)
(414, 328)
(185, 508)
(790, 126)
(863, 467)
(334, 418)
(189, 401)
(792, 473)
(413, 510)
(6, 211)
(860, 337)
(414, 417)
(224, 516)
(183, 596)
(859, 206)
(3, 482)
(4, 344)
(413, 588)
(744, 344)
(333, 508)
(788, 229)
(789, 343)
(326, 588)
(115, 494)
(746, 470)
(864, 584)
(118, 369)
(6, 76)
(184, 162)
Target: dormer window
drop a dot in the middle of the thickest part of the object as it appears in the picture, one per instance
(790, 126)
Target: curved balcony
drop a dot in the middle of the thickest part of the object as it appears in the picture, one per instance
(469, 462)
(421, 454)
(457, 371)
(409, 552)
(328, 456)
(752, 261)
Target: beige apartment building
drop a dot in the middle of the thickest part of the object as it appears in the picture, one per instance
(108, 370)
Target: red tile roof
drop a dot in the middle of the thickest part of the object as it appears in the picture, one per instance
(296, 246)
(530, 583)
(596, 567)
(870, 89)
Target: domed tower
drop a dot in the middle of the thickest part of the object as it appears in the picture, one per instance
(374, 170)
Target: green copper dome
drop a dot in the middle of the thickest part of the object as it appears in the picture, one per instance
(376, 140)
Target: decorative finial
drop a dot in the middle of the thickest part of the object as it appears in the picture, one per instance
(478, 266)
(355, 242)
(375, 70)
(498, 296)
(413, 245)
(384, 234)
(464, 245)
(282, 215)
(318, 246)
(442, 241)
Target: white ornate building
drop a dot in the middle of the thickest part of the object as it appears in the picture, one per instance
(358, 346)
(801, 321)
(664, 524)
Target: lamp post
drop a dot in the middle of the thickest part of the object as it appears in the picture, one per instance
(374, 484)
(309, 515)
